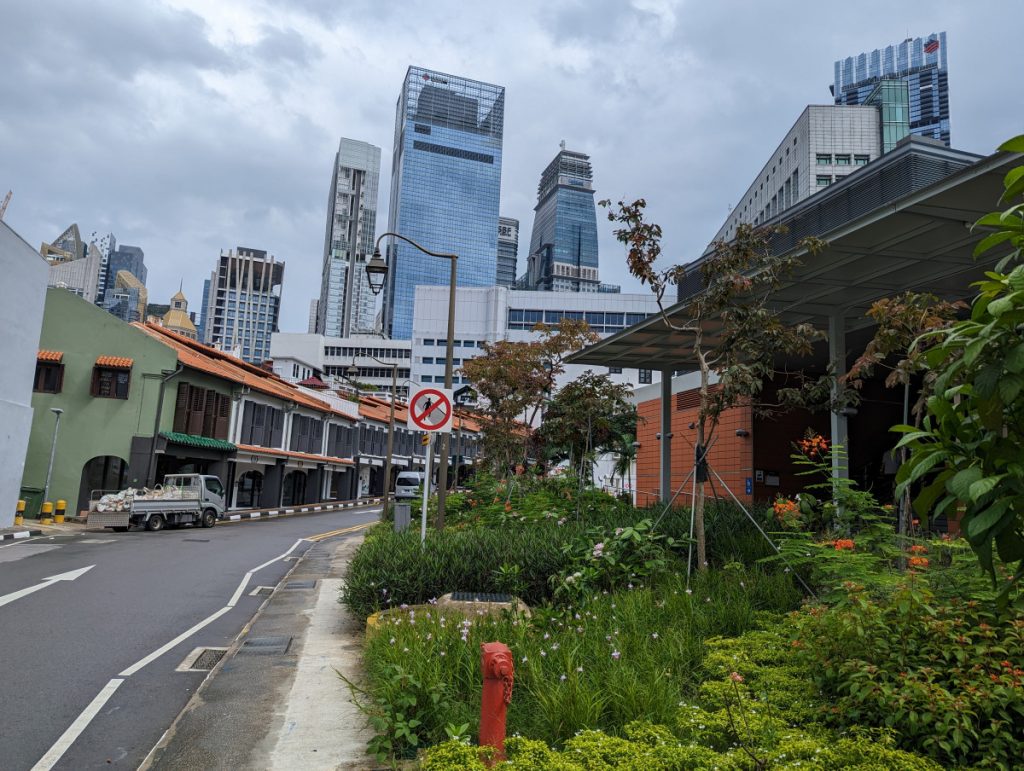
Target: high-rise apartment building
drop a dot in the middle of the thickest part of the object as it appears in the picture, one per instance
(74, 265)
(918, 62)
(243, 303)
(563, 245)
(346, 304)
(508, 251)
(445, 187)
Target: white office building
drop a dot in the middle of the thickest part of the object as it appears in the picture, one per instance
(489, 314)
(298, 357)
(346, 305)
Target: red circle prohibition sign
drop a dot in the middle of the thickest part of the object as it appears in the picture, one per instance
(432, 417)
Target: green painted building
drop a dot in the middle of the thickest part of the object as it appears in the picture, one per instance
(110, 380)
(105, 376)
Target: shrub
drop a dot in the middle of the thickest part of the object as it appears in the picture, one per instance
(624, 656)
(945, 676)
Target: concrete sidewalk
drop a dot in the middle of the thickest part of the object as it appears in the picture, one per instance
(275, 700)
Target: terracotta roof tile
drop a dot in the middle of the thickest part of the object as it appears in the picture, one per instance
(219, 364)
(54, 356)
(115, 362)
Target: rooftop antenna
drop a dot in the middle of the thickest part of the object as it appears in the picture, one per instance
(562, 144)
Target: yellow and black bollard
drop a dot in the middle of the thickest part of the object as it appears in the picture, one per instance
(19, 513)
(46, 514)
(58, 515)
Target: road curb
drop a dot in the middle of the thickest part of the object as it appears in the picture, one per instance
(296, 510)
(20, 534)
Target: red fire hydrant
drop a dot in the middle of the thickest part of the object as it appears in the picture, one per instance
(496, 663)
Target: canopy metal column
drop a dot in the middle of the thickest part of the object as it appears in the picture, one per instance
(665, 479)
(837, 360)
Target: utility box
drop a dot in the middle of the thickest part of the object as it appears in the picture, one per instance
(402, 517)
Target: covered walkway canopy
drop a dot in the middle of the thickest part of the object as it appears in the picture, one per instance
(901, 223)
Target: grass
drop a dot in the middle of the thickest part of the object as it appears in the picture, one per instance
(628, 655)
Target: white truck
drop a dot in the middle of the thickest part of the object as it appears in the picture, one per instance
(182, 499)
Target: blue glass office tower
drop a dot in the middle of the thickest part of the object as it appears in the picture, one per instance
(445, 187)
(563, 245)
(920, 63)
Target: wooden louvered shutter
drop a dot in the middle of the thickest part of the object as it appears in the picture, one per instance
(181, 408)
(197, 401)
(210, 412)
(275, 422)
(221, 424)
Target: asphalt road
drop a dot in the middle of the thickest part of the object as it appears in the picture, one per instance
(66, 646)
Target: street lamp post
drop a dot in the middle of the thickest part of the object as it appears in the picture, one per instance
(53, 451)
(391, 429)
(376, 272)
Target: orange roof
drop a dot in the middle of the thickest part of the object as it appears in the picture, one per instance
(115, 362)
(54, 356)
(292, 454)
(219, 364)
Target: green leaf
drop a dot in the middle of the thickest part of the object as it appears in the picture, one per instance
(1014, 361)
(961, 482)
(1001, 305)
(1009, 387)
(983, 487)
(980, 524)
(1015, 145)
(992, 239)
(1010, 546)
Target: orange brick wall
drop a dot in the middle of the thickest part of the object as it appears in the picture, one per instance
(731, 456)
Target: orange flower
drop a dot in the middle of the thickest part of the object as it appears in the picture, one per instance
(918, 562)
(843, 543)
(918, 549)
(508, 506)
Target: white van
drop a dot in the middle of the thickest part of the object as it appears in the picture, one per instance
(407, 484)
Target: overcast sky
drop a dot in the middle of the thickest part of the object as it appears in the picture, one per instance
(190, 126)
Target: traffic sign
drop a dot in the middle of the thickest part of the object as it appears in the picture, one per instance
(430, 409)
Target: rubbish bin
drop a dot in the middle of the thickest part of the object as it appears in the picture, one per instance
(402, 517)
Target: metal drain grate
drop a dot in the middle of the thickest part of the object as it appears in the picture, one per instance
(266, 646)
(201, 660)
(480, 597)
(300, 585)
(261, 591)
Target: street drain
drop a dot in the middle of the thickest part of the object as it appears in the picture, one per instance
(261, 591)
(196, 540)
(300, 585)
(201, 660)
(266, 646)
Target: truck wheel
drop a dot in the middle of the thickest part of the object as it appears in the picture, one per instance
(155, 522)
(209, 518)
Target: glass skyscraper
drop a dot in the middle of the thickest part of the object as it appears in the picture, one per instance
(445, 187)
(563, 245)
(508, 250)
(920, 63)
(346, 305)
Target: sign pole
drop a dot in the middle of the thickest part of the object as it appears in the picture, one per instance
(426, 494)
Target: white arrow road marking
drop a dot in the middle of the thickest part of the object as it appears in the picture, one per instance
(71, 575)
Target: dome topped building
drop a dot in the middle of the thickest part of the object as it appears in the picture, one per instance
(177, 319)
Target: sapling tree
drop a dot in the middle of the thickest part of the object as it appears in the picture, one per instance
(731, 330)
(514, 379)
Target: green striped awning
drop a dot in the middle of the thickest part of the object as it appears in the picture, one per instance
(200, 442)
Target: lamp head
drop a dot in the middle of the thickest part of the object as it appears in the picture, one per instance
(352, 370)
(376, 271)
(57, 411)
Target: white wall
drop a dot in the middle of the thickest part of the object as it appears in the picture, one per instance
(22, 295)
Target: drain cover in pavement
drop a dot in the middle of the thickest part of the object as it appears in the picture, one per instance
(202, 660)
(480, 597)
(300, 585)
(266, 646)
(261, 591)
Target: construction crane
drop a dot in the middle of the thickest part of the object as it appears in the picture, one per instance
(7, 200)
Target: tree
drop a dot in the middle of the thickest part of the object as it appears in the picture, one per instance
(968, 447)
(514, 379)
(586, 417)
(733, 332)
(624, 447)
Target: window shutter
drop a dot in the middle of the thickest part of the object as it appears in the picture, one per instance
(195, 412)
(220, 426)
(210, 412)
(275, 422)
(247, 415)
(181, 409)
(317, 443)
(259, 430)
